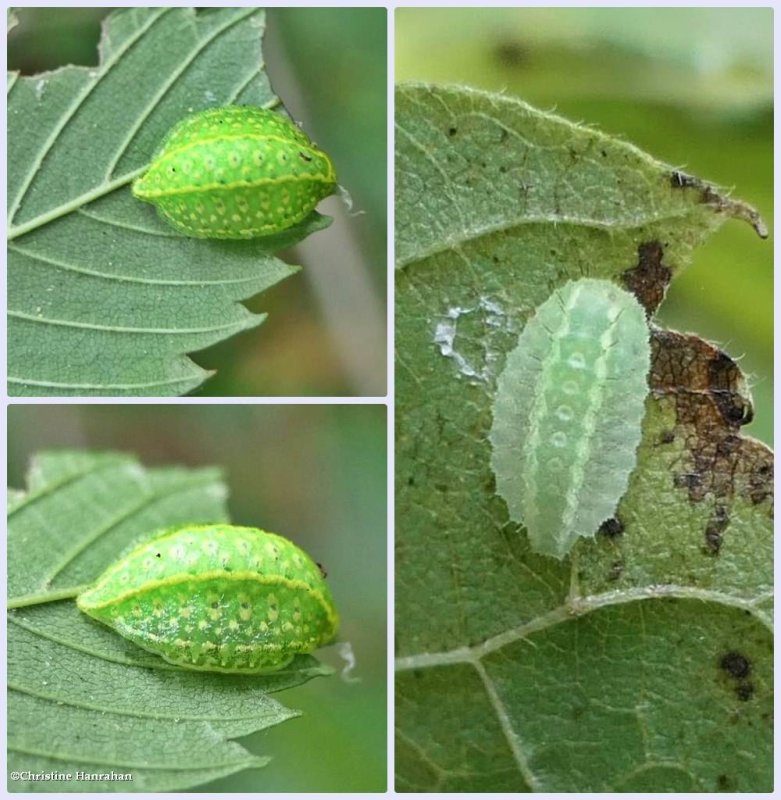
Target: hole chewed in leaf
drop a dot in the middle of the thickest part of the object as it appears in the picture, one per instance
(723, 375)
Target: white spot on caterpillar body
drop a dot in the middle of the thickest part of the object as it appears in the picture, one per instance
(568, 412)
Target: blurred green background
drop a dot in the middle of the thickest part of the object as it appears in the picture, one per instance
(313, 473)
(691, 86)
(326, 330)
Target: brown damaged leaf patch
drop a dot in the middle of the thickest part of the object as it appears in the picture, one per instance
(649, 279)
(711, 402)
(710, 196)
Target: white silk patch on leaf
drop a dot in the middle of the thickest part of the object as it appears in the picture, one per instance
(568, 413)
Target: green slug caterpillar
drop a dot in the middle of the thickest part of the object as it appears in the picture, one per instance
(219, 597)
(237, 172)
(568, 413)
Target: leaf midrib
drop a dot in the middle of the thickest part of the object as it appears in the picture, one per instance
(578, 607)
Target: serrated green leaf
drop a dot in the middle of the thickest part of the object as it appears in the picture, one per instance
(81, 698)
(614, 670)
(103, 297)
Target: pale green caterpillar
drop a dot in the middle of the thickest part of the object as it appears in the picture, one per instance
(237, 172)
(568, 413)
(217, 597)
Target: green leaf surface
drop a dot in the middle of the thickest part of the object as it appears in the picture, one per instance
(642, 662)
(83, 699)
(104, 298)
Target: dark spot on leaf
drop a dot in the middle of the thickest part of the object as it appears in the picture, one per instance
(158, 555)
(723, 783)
(761, 481)
(713, 531)
(511, 53)
(616, 571)
(735, 664)
(745, 690)
(452, 131)
(667, 437)
(712, 540)
(649, 279)
(304, 156)
(611, 528)
(215, 605)
(686, 480)
(728, 445)
(323, 573)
